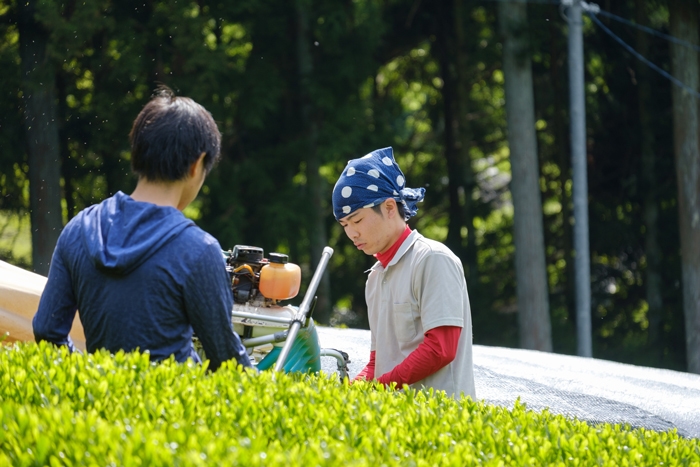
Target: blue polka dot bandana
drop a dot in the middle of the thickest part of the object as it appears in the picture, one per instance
(370, 180)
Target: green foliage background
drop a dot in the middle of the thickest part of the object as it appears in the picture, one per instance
(375, 81)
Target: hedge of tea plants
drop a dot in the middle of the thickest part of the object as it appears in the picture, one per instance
(58, 408)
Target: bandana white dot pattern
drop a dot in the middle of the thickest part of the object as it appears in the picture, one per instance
(368, 181)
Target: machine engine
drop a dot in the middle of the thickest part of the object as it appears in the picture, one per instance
(258, 284)
(270, 330)
(257, 281)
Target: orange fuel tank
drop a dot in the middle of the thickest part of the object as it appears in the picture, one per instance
(280, 280)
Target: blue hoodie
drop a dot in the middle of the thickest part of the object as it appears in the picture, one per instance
(143, 277)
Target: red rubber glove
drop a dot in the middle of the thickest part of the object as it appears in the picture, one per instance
(368, 372)
(437, 350)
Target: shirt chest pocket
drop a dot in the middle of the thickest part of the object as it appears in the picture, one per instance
(405, 324)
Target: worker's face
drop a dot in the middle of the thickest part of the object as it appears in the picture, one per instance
(369, 231)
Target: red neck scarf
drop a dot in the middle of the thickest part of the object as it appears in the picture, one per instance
(386, 257)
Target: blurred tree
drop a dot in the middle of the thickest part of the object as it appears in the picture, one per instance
(549, 52)
(13, 169)
(617, 195)
(684, 65)
(652, 248)
(315, 183)
(449, 50)
(464, 140)
(41, 135)
(530, 269)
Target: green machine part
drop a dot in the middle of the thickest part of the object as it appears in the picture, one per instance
(304, 356)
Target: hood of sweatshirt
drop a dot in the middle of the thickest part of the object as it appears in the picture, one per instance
(120, 233)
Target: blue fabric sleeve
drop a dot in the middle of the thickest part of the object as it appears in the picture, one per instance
(208, 304)
(57, 306)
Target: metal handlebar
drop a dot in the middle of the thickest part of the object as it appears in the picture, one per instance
(300, 317)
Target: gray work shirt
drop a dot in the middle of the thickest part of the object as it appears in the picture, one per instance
(422, 288)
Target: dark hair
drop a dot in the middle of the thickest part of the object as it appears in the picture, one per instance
(169, 135)
(399, 209)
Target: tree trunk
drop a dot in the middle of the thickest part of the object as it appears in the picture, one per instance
(462, 182)
(446, 54)
(316, 227)
(684, 66)
(462, 142)
(530, 267)
(64, 150)
(561, 147)
(652, 247)
(41, 130)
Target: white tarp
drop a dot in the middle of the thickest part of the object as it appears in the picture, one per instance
(20, 291)
(586, 388)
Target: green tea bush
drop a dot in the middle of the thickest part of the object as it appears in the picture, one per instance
(58, 408)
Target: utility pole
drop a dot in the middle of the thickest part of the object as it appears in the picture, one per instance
(577, 112)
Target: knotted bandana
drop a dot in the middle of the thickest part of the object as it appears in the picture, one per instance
(370, 180)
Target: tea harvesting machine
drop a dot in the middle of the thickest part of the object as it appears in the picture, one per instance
(278, 336)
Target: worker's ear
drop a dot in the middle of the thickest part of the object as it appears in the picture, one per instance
(197, 166)
(390, 208)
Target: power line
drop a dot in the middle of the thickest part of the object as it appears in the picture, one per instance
(551, 2)
(649, 30)
(595, 9)
(644, 60)
(592, 10)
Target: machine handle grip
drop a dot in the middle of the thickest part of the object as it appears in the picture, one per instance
(300, 317)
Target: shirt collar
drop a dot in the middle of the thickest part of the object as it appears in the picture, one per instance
(388, 255)
(410, 240)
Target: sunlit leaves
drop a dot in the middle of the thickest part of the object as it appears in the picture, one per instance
(233, 39)
(63, 409)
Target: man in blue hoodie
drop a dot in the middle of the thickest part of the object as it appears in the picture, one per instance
(143, 275)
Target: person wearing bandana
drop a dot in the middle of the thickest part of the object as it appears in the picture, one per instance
(416, 293)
